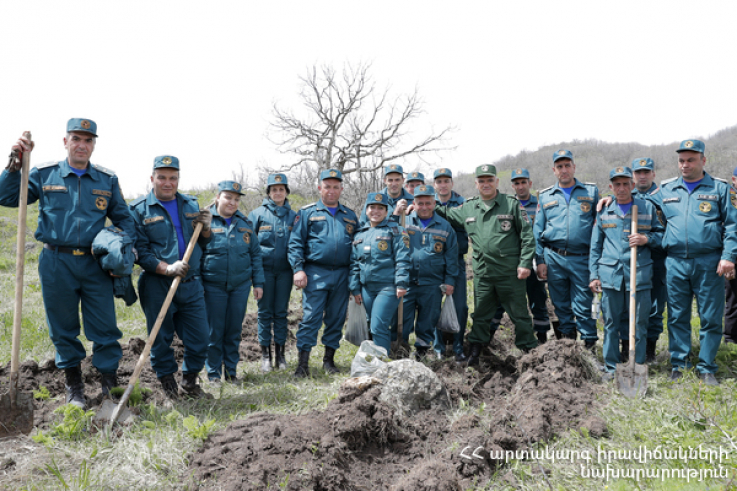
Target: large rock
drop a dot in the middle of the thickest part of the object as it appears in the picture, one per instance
(410, 386)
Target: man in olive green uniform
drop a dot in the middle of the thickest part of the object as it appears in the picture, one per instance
(503, 248)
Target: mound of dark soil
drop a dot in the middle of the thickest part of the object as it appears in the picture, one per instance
(360, 443)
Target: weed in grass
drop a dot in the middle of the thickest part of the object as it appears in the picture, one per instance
(136, 396)
(42, 394)
(195, 429)
(74, 425)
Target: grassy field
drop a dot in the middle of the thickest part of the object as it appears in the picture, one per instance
(153, 452)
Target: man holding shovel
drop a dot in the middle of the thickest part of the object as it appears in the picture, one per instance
(609, 263)
(75, 198)
(165, 221)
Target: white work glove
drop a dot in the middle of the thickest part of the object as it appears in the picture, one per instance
(179, 268)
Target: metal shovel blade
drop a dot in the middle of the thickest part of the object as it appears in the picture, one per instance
(105, 413)
(16, 416)
(632, 378)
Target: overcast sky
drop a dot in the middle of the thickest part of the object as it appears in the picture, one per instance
(198, 79)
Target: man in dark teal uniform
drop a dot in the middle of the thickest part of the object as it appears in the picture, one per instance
(75, 198)
(320, 255)
(701, 243)
(730, 283)
(165, 221)
(563, 226)
(399, 198)
(414, 179)
(537, 297)
(447, 198)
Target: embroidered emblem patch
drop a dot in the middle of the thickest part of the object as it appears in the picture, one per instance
(166, 161)
(688, 144)
(506, 225)
(101, 203)
(585, 207)
(277, 178)
(247, 238)
(438, 247)
(85, 124)
(705, 207)
(382, 245)
(349, 229)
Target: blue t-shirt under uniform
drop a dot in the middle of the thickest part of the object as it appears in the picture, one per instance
(692, 185)
(332, 210)
(425, 223)
(79, 172)
(567, 193)
(524, 202)
(625, 208)
(228, 220)
(173, 209)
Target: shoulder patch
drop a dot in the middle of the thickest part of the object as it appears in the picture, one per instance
(720, 179)
(475, 198)
(190, 197)
(656, 191)
(668, 180)
(308, 206)
(592, 184)
(103, 170)
(47, 164)
(138, 200)
(547, 189)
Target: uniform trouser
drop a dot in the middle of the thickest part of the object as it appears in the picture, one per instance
(615, 306)
(568, 283)
(67, 280)
(658, 298)
(537, 298)
(187, 316)
(730, 315)
(688, 278)
(424, 300)
(381, 306)
(509, 292)
(225, 312)
(324, 299)
(273, 307)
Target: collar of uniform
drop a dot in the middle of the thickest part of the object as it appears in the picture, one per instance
(404, 195)
(66, 169)
(151, 199)
(452, 200)
(705, 181)
(481, 204)
(237, 214)
(576, 183)
(531, 201)
(269, 203)
(651, 190)
(322, 206)
(433, 219)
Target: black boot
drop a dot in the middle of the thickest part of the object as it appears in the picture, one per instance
(570, 335)
(556, 329)
(108, 381)
(190, 387)
(590, 344)
(328, 364)
(475, 356)
(266, 358)
(75, 387)
(281, 361)
(169, 384)
(650, 350)
(303, 367)
(624, 355)
(542, 337)
(420, 354)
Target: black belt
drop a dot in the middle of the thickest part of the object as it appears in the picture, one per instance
(563, 252)
(69, 250)
(191, 278)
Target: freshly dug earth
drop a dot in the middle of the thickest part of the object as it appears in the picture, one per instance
(360, 443)
(33, 376)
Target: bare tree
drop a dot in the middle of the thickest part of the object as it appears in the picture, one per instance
(351, 126)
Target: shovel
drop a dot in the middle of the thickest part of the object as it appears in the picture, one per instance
(111, 411)
(631, 376)
(16, 408)
(399, 348)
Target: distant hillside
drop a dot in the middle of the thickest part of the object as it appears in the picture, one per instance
(594, 159)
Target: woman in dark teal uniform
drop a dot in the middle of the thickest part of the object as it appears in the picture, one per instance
(272, 221)
(379, 268)
(231, 263)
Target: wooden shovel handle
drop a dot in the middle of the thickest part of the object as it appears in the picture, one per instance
(633, 284)
(20, 260)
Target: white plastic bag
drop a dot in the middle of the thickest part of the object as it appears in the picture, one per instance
(448, 321)
(356, 330)
(368, 359)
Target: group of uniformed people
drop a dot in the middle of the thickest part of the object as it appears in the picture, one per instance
(686, 238)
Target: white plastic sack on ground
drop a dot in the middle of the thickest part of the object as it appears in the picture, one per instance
(448, 321)
(356, 330)
(368, 359)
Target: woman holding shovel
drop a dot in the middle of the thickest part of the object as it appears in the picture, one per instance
(231, 263)
(272, 221)
(379, 268)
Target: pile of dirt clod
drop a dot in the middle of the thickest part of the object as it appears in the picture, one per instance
(34, 376)
(360, 443)
(250, 349)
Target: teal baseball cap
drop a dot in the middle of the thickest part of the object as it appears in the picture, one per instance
(416, 176)
(377, 199)
(331, 174)
(424, 190)
(486, 170)
(81, 124)
(692, 146)
(620, 172)
(231, 186)
(520, 174)
(562, 154)
(393, 168)
(642, 164)
(166, 162)
(444, 172)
